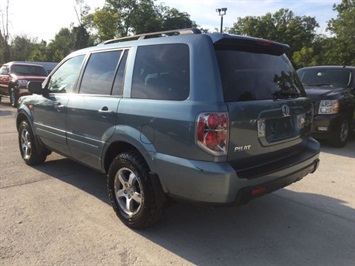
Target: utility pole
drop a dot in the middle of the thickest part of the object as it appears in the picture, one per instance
(221, 12)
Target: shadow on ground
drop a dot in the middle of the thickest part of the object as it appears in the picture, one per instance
(283, 228)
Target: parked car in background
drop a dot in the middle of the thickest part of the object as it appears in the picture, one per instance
(332, 91)
(211, 118)
(14, 77)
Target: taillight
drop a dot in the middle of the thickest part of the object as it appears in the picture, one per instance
(212, 132)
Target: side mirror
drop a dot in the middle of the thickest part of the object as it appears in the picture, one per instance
(35, 87)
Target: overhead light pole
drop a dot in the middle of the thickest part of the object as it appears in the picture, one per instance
(221, 11)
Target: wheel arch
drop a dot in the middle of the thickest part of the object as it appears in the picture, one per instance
(127, 143)
(22, 117)
(114, 149)
(24, 113)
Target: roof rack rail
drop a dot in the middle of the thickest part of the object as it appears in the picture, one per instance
(154, 34)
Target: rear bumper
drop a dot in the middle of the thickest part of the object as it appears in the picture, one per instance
(218, 183)
(248, 193)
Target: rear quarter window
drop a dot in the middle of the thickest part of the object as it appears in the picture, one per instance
(248, 76)
(161, 72)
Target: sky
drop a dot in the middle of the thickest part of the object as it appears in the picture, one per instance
(42, 19)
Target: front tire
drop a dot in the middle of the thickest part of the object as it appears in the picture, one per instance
(28, 146)
(342, 134)
(131, 191)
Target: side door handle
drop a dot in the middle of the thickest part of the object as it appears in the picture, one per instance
(59, 107)
(105, 112)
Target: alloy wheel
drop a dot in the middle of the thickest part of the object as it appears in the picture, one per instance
(128, 191)
(26, 145)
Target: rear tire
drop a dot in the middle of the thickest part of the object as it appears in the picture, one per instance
(342, 134)
(131, 191)
(28, 146)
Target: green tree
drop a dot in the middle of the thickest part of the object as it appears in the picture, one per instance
(2, 48)
(315, 54)
(81, 36)
(105, 21)
(120, 18)
(66, 41)
(262, 27)
(145, 17)
(174, 19)
(136, 16)
(21, 48)
(61, 46)
(39, 53)
(5, 34)
(343, 27)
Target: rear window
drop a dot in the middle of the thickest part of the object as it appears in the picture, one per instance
(338, 78)
(248, 76)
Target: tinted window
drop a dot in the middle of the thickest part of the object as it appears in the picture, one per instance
(28, 70)
(65, 77)
(248, 76)
(119, 80)
(325, 77)
(100, 72)
(162, 72)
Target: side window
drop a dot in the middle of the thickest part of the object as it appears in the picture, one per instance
(4, 71)
(162, 72)
(119, 80)
(99, 73)
(65, 77)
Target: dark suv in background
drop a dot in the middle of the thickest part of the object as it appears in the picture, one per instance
(332, 91)
(14, 77)
(212, 118)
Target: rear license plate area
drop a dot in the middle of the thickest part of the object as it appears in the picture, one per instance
(279, 128)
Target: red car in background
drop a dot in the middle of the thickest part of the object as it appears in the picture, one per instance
(14, 77)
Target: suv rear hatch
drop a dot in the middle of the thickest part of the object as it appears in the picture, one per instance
(269, 113)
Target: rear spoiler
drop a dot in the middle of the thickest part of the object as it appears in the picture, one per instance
(249, 44)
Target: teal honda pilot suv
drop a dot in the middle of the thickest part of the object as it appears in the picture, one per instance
(210, 118)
